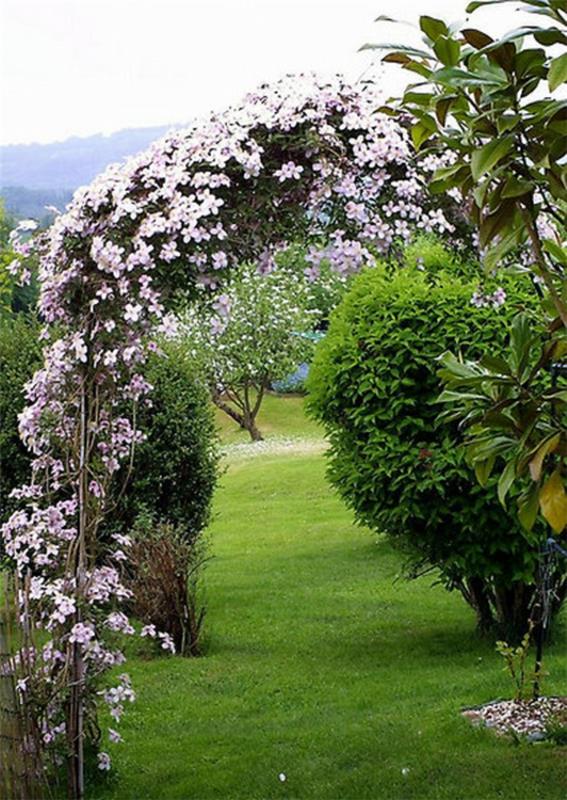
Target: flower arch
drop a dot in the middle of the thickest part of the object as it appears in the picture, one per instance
(302, 160)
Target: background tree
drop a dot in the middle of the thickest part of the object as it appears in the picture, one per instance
(252, 336)
(324, 291)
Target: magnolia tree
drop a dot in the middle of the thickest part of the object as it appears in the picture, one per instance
(496, 105)
(253, 335)
(303, 160)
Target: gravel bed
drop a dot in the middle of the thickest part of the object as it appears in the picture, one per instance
(522, 717)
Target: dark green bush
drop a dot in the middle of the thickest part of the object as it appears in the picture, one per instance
(175, 469)
(20, 356)
(373, 384)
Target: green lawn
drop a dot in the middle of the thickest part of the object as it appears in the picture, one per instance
(280, 415)
(320, 666)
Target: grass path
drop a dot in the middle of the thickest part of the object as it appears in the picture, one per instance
(321, 667)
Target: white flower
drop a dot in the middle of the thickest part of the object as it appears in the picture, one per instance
(114, 736)
(104, 761)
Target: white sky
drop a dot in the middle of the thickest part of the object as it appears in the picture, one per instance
(77, 67)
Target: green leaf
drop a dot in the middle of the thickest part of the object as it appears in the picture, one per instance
(520, 342)
(502, 222)
(506, 480)
(422, 130)
(442, 108)
(418, 98)
(448, 51)
(398, 48)
(529, 61)
(557, 72)
(553, 502)
(483, 160)
(483, 470)
(550, 36)
(556, 252)
(513, 187)
(419, 67)
(433, 28)
(528, 506)
(544, 448)
(560, 395)
(496, 364)
(452, 76)
(507, 122)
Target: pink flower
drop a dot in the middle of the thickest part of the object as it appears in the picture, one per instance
(289, 170)
(114, 736)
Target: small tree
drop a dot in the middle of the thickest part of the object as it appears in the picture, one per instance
(494, 106)
(252, 335)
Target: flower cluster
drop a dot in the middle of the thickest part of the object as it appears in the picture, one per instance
(495, 300)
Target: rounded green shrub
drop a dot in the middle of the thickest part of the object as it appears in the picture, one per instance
(373, 384)
(176, 467)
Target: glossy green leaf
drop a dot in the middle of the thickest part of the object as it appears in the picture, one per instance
(557, 253)
(506, 480)
(528, 507)
(484, 159)
(422, 130)
(448, 51)
(557, 72)
(550, 36)
(513, 187)
(433, 28)
(483, 470)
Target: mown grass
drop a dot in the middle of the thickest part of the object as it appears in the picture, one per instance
(279, 416)
(322, 666)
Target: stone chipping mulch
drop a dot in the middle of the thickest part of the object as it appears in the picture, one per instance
(522, 717)
(275, 446)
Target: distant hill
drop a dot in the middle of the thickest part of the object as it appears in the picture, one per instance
(35, 175)
(21, 202)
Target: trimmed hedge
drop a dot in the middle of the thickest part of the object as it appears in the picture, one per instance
(373, 385)
(176, 468)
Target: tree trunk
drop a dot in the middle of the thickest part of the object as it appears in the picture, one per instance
(506, 611)
(474, 592)
(75, 707)
(255, 434)
(246, 420)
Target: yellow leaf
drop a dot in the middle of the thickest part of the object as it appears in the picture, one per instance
(553, 502)
(548, 446)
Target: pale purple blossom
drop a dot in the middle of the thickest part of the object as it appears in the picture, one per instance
(104, 762)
